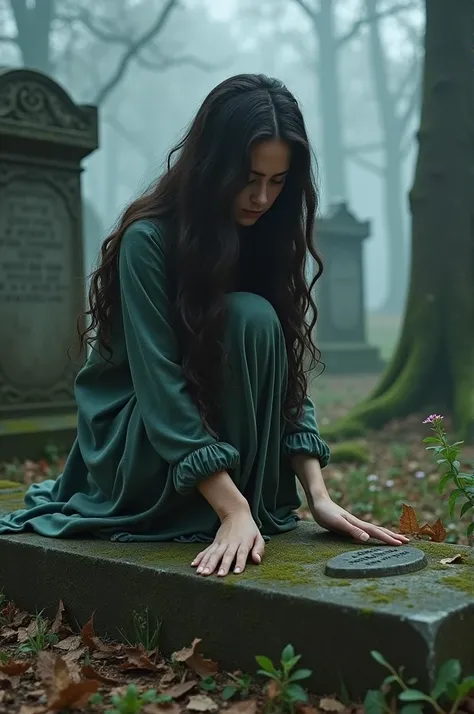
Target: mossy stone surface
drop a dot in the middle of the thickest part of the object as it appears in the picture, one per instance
(417, 620)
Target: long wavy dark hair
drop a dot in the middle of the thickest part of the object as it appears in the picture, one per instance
(196, 194)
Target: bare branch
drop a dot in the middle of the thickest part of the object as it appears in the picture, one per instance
(162, 62)
(84, 18)
(313, 14)
(367, 164)
(133, 49)
(367, 19)
(363, 148)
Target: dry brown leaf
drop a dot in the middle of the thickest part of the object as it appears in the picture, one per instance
(195, 661)
(179, 690)
(93, 642)
(439, 532)
(73, 642)
(15, 668)
(168, 678)
(202, 703)
(328, 704)
(249, 706)
(20, 619)
(63, 691)
(408, 523)
(9, 612)
(8, 635)
(27, 709)
(457, 559)
(307, 709)
(170, 708)
(74, 656)
(137, 658)
(60, 626)
(426, 530)
(74, 696)
(273, 690)
(89, 672)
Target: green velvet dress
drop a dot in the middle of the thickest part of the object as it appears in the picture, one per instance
(141, 447)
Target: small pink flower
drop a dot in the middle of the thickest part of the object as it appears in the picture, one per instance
(433, 419)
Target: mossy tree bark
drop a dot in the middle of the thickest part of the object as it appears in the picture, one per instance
(433, 366)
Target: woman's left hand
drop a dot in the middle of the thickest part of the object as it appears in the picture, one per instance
(331, 516)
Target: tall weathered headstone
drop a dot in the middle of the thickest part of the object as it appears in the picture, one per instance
(43, 138)
(341, 329)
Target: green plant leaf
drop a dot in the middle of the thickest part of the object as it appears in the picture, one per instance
(470, 529)
(453, 498)
(390, 679)
(289, 664)
(301, 674)
(229, 692)
(208, 684)
(431, 440)
(449, 672)
(443, 481)
(266, 664)
(288, 653)
(465, 687)
(380, 659)
(374, 702)
(412, 709)
(162, 699)
(295, 693)
(456, 466)
(270, 675)
(413, 695)
(466, 507)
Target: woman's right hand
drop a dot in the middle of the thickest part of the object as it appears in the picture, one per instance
(237, 538)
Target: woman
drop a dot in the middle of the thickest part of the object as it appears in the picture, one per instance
(193, 415)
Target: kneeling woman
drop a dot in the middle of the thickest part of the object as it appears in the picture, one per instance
(193, 414)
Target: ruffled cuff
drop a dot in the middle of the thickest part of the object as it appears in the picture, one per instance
(307, 442)
(203, 463)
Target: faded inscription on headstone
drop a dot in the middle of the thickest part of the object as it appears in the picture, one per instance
(376, 562)
(36, 281)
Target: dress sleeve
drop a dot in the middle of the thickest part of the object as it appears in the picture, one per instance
(171, 418)
(304, 437)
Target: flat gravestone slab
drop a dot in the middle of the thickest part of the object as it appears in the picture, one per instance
(376, 562)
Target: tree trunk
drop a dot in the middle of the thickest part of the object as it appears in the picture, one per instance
(332, 143)
(392, 177)
(33, 23)
(433, 367)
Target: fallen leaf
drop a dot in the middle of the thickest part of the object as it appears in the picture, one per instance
(273, 690)
(63, 691)
(15, 668)
(89, 672)
(195, 661)
(307, 709)
(426, 530)
(454, 559)
(21, 619)
(60, 626)
(439, 532)
(73, 642)
(93, 642)
(327, 704)
(74, 656)
(168, 678)
(249, 706)
(137, 658)
(9, 635)
(201, 703)
(27, 709)
(169, 708)
(9, 612)
(408, 523)
(5, 681)
(179, 690)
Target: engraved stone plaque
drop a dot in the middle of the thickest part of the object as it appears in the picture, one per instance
(36, 283)
(376, 562)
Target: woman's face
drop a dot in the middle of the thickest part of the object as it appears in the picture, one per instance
(270, 165)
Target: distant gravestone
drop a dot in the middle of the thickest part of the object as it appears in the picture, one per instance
(376, 562)
(43, 138)
(341, 329)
